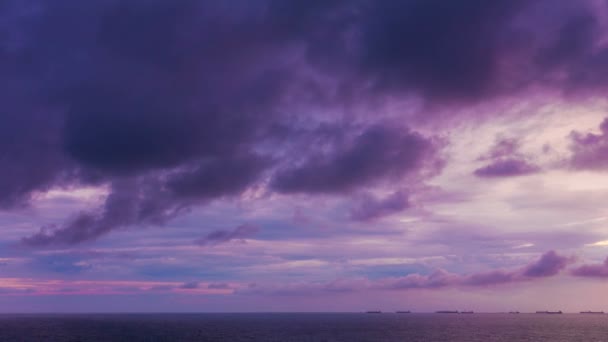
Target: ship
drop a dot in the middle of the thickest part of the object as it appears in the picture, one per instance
(403, 312)
(446, 312)
(513, 312)
(593, 312)
(373, 311)
(550, 312)
(466, 312)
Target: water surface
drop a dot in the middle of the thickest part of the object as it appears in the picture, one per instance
(300, 327)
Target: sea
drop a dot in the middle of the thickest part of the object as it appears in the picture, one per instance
(300, 327)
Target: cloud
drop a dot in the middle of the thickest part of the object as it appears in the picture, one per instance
(129, 203)
(369, 207)
(61, 264)
(220, 236)
(216, 178)
(549, 264)
(503, 147)
(133, 97)
(592, 270)
(462, 52)
(589, 151)
(201, 98)
(305, 288)
(378, 153)
(447, 50)
(153, 201)
(505, 161)
(190, 285)
(437, 279)
(491, 278)
(507, 168)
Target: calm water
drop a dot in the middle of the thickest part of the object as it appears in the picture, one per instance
(304, 327)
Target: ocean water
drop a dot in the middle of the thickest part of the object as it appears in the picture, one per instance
(299, 327)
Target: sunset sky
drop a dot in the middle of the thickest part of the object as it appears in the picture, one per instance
(314, 155)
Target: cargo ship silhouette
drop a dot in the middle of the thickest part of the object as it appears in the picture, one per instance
(373, 311)
(550, 312)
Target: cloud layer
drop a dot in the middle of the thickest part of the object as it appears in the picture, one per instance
(548, 265)
(396, 144)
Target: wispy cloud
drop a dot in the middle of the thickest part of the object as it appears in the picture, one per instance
(548, 265)
(220, 236)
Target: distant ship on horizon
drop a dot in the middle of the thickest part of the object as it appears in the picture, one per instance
(593, 312)
(513, 312)
(466, 312)
(550, 312)
(446, 312)
(373, 311)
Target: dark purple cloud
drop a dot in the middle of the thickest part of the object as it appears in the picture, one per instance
(548, 265)
(463, 51)
(443, 49)
(503, 148)
(592, 271)
(505, 161)
(131, 202)
(575, 37)
(131, 112)
(216, 178)
(378, 153)
(220, 236)
(177, 100)
(590, 151)
(207, 99)
(150, 201)
(369, 207)
(507, 168)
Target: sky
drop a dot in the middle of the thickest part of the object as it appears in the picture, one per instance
(270, 155)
